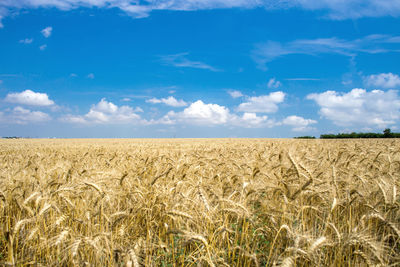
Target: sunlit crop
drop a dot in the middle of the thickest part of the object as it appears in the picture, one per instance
(208, 202)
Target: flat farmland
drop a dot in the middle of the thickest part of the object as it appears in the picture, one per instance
(199, 202)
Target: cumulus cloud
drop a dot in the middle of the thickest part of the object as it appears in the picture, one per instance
(47, 31)
(29, 97)
(273, 83)
(26, 41)
(169, 101)
(43, 47)
(298, 123)
(105, 112)
(200, 113)
(20, 115)
(252, 120)
(371, 44)
(383, 80)
(264, 104)
(235, 93)
(359, 107)
(181, 61)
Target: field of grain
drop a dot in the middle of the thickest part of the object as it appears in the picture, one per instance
(199, 202)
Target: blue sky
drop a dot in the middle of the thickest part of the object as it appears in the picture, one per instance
(221, 68)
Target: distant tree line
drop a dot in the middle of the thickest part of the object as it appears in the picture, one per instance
(387, 133)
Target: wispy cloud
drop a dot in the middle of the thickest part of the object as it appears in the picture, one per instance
(90, 76)
(10, 75)
(26, 41)
(351, 9)
(273, 83)
(46, 32)
(337, 10)
(169, 101)
(43, 47)
(235, 93)
(181, 61)
(371, 44)
(3, 13)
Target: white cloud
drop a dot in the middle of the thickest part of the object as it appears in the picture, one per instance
(47, 31)
(197, 113)
(200, 113)
(90, 76)
(272, 83)
(3, 12)
(26, 41)
(73, 119)
(181, 61)
(73, 75)
(347, 82)
(383, 80)
(338, 9)
(43, 47)
(298, 123)
(169, 119)
(20, 115)
(106, 112)
(138, 109)
(126, 99)
(332, 9)
(252, 120)
(371, 44)
(359, 107)
(169, 101)
(28, 97)
(265, 103)
(235, 93)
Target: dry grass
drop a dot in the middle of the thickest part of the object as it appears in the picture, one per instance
(216, 202)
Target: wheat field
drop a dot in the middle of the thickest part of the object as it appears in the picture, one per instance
(199, 202)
